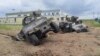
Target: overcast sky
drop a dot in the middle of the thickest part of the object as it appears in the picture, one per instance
(73, 7)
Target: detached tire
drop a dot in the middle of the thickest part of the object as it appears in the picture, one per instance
(55, 27)
(34, 40)
(26, 20)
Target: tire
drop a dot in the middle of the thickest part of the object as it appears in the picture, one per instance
(26, 20)
(61, 25)
(70, 28)
(84, 30)
(65, 29)
(54, 27)
(34, 40)
(44, 36)
(78, 31)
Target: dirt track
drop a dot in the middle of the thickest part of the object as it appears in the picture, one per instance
(68, 44)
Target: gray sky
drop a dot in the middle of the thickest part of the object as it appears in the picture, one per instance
(80, 8)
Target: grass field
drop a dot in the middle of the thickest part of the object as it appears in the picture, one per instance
(91, 23)
(10, 27)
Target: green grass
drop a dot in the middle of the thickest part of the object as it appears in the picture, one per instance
(92, 23)
(10, 27)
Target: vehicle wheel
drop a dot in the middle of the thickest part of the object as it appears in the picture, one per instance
(34, 40)
(65, 29)
(26, 20)
(70, 28)
(78, 31)
(84, 30)
(54, 27)
(61, 25)
(44, 36)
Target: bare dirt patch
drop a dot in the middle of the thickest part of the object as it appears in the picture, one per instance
(67, 44)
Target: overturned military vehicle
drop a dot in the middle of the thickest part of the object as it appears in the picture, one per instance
(35, 28)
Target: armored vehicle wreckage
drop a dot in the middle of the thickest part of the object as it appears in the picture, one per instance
(73, 25)
(35, 29)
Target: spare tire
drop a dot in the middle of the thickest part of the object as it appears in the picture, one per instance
(26, 20)
(55, 27)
